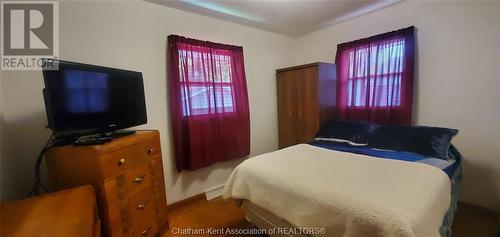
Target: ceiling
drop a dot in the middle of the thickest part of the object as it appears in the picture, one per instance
(288, 17)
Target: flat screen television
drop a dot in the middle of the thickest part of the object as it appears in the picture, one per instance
(83, 98)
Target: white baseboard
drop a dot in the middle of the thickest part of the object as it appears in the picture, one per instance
(214, 192)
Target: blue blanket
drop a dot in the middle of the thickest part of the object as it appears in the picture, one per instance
(449, 168)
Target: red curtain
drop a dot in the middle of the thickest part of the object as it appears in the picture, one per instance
(375, 78)
(208, 102)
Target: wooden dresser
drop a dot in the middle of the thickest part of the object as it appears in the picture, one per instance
(127, 175)
(306, 99)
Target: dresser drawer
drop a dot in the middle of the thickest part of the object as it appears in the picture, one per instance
(117, 225)
(142, 205)
(119, 161)
(126, 184)
(138, 178)
(142, 212)
(158, 184)
(144, 229)
(133, 215)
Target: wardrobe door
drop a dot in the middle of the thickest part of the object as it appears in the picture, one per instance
(287, 93)
(307, 104)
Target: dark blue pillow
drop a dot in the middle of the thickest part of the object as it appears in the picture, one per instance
(357, 132)
(427, 141)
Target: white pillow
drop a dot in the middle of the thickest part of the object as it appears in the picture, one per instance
(339, 140)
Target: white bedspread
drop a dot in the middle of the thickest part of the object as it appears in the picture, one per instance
(349, 194)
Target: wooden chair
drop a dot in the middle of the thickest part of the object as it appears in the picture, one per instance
(70, 212)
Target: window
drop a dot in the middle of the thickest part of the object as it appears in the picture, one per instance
(375, 73)
(375, 78)
(208, 102)
(206, 84)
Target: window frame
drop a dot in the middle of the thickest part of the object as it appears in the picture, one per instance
(370, 78)
(210, 84)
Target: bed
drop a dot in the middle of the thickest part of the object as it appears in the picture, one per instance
(327, 188)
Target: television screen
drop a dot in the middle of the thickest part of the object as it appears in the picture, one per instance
(87, 97)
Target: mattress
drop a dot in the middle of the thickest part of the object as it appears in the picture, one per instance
(452, 167)
(349, 194)
(268, 222)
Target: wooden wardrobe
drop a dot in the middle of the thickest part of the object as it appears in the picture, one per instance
(306, 99)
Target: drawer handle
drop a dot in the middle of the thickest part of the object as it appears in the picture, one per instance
(146, 231)
(142, 205)
(149, 150)
(139, 179)
(121, 161)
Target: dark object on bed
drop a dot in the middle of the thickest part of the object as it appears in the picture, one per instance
(357, 132)
(449, 167)
(427, 141)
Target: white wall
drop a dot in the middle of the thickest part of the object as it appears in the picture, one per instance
(457, 82)
(1, 139)
(133, 35)
(456, 86)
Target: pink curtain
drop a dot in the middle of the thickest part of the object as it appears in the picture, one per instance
(208, 102)
(375, 78)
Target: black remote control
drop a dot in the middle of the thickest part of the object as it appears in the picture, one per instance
(92, 141)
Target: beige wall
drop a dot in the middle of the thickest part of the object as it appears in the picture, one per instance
(457, 81)
(132, 35)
